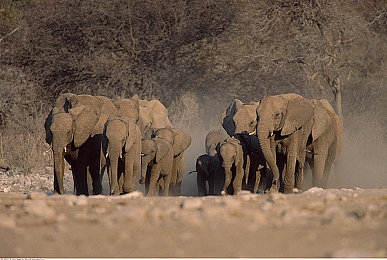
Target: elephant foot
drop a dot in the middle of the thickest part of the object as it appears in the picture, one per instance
(261, 192)
(223, 193)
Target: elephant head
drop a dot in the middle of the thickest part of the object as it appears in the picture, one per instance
(128, 107)
(231, 154)
(59, 134)
(84, 123)
(156, 159)
(239, 117)
(152, 152)
(279, 117)
(213, 138)
(121, 134)
(152, 114)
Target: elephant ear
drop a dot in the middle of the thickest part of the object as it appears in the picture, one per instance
(65, 101)
(163, 148)
(84, 121)
(181, 141)
(321, 120)
(298, 113)
(105, 109)
(133, 135)
(159, 114)
(227, 118)
(47, 124)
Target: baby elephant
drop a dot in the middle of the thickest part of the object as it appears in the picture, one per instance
(208, 170)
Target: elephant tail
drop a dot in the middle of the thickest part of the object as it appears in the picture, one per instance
(191, 172)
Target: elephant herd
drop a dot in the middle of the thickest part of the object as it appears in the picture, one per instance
(123, 136)
(263, 146)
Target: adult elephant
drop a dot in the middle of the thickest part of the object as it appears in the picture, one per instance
(231, 155)
(122, 147)
(239, 117)
(156, 165)
(152, 114)
(325, 141)
(180, 142)
(284, 125)
(74, 129)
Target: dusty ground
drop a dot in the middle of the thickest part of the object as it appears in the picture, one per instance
(316, 223)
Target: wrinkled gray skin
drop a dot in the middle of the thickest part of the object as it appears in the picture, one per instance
(231, 156)
(122, 148)
(152, 114)
(209, 169)
(180, 142)
(325, 141)
(239, 117)
(74, 129)
(284, 125)
(156, 164)
(213, 138)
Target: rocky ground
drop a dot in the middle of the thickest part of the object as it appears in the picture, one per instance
(315, 223)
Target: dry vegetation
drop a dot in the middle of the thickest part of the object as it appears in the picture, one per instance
(195, 56)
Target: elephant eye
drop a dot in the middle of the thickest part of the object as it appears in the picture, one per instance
(252, 123)
(276, 115)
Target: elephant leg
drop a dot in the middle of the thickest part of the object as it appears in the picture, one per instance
(128, 185)
(201, 182)
(167, 181)
(80, 174)
(328, 166)
(154, 176)
(237, 183)
(318, 170)
(94, 175)
(211, 183)
(288, 177)
(299, 176)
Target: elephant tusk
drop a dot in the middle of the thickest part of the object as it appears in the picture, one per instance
(142, 154)
(65, 149)
(106, 155)
(271, 134)
(49, 149)
(253, 132)
(120, 155)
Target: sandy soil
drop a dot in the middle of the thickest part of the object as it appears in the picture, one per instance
(315, 223)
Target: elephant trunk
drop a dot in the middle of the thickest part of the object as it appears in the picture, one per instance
(58, 154)
(114, 156)
(144, 168)
(264, 141)
(227, 176)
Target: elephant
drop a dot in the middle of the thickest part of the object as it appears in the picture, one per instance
(128, 107)
(325, 141)
(209, 169)
(152, 114)
(180, 142)
(213, 138)
(231, 155)
(74, 129)
(283, 128)
(122, 149)
(156, 165)
(257, 176)
(240, 117)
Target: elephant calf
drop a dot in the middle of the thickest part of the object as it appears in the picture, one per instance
(208, 170)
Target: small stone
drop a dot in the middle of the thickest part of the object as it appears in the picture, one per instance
(192, 204)
(36, 195)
